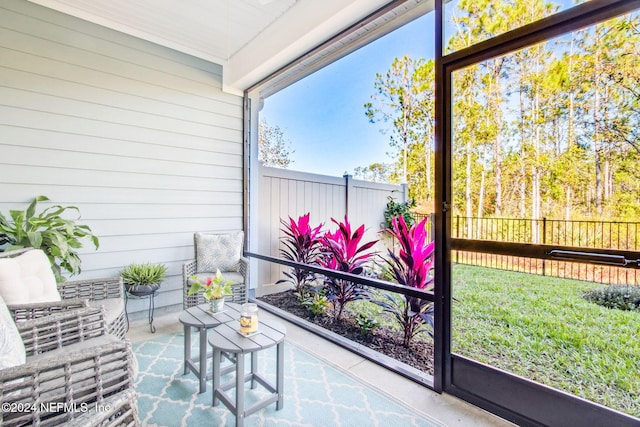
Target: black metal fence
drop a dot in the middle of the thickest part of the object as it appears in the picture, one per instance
(578, 233)
(429, 224)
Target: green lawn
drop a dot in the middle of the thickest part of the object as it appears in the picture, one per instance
(541, 328)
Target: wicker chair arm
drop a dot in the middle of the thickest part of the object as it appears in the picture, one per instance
(22, 312)
(243, 267)
(84, 376)
(240, 289)
(93, 289)
(188, 269)
(61, 329)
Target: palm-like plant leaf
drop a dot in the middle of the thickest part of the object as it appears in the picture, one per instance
(411, 266)
(301, 243)
(342, 251)
(58, 237)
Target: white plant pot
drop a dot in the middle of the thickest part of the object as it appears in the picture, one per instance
(217, 305)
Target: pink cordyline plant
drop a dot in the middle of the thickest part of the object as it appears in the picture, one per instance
(342, 251)
(413, 263)
(411, 266)
(301, 244)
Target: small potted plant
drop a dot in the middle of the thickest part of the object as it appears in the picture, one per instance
(214, 289)
(143, 279)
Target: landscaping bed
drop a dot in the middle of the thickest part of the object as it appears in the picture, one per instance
(384, 340)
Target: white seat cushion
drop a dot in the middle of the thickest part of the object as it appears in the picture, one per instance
(27, 278)
(12, 352)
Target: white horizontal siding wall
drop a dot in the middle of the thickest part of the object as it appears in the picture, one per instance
(139, 137)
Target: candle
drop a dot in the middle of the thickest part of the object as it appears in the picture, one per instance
(249, 318)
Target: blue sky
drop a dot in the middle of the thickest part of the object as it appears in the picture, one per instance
(323, 115)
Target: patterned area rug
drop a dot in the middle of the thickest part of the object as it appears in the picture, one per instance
(315, 393)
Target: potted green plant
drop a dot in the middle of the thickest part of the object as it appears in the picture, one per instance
(58, 237)
(143, 279)
(214, 289)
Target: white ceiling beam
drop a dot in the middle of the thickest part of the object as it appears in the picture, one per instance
(306, 25)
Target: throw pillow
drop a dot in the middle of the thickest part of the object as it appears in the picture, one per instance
(28, 278)
(218, 251)
(12, 352)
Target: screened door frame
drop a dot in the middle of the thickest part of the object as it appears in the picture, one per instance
(517, 399)
(460, 379)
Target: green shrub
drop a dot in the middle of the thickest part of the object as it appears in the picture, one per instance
(147, 274)
(316, 303)
(366, 323)
(621, 297)
(395, 209)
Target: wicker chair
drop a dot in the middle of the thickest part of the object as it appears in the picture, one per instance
(216, 251)
(118, 410)
(97, 292)
(74, 373)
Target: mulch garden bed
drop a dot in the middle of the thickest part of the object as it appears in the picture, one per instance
(388, 342)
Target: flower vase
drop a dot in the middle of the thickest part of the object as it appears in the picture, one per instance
(217, 304)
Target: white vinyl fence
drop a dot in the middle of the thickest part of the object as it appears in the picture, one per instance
(284, 193)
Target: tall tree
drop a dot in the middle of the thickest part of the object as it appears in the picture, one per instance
(421, 154)
(398, 100)
(375, 172)
(621, 117)
(549, 130)
(273, 149)
(487, 86)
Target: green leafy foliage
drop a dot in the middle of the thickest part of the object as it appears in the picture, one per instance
(148, 274)
(367, 324)
(316, 303)
(375, 172)
(403, 101)
(621, 297)
(551, 130)
(58, 237)
(212, 287)
(398, 209)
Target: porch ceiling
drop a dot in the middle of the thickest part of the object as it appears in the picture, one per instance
(249, 38)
